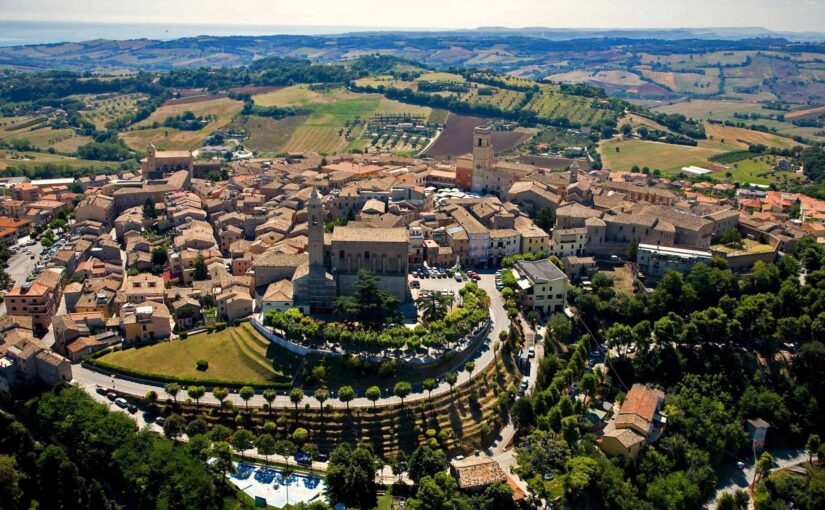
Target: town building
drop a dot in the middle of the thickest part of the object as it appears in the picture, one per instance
(38, 299)
(656, 260)
(543, 284)
(638, 421)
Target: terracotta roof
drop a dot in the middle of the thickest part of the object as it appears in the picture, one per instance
(478, 472)
(641, 401)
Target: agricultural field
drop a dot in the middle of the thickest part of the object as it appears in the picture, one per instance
(63, 140)
(107, 107)
(234, 354)
(654, 155)
(685, 82)
(578, 110)
(30, 159)
(716, 58)
(703, 109)
(504, 99)
(441, 77)
(336, 119)
(222, 110)
(457, 137)
(267, 134)
(438, 116)
(671, 158)
(741, 137)
(759, 170)
(386, 82)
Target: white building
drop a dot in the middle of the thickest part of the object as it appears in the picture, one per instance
(654, 260)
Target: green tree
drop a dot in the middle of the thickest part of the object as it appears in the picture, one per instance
(632, 251)
(762, 468)
(429, 385)
(269, 396)
(322, 395)
(174, 426)
(160, 256)
(351, 476)
(242, 440)
(425, 461)
(402, 390)
(812, 446)
(197, 427)
(731, 237)
(674, 492)
(149, 211)
(296, 395)
(172, 389)
(10, 491)
(222, 453)
(265, 445)
(373, 394)
(368, 304)
(201, 271)
(434, 305)
(546, 219)
(196, 392)
(451, 378)
(246, 393)
(300, 436)
(220, 395)
(346, 395)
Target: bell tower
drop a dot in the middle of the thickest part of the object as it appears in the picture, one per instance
(316, 217)
(482, 157)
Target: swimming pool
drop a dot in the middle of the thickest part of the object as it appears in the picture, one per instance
(270, 484)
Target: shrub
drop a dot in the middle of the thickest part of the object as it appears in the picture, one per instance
(183, 335)
(202, 364)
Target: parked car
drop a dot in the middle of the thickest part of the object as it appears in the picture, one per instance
(458, 277)
(303, 459)
(100, 390)
(415, 284)
(531, 352)
(322, 457)
(121, 403)
(132, 408)
(160, 420)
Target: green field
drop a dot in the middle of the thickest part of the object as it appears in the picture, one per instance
(329, 126)
(223, 110)
(61, 140)
(107, 107)
(31, 159)
(551, 105)
(234, 354)
(750, 247)
(759, 171)
(665, 157)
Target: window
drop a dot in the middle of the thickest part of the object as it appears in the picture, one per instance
(366, 255)
(341, 254)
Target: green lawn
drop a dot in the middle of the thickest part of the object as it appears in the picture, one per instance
(234, 354)
(759, 171)
(750, 247)
(665, 157)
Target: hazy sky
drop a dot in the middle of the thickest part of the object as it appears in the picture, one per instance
(792, 15)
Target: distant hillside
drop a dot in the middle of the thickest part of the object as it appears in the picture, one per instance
(530, 52)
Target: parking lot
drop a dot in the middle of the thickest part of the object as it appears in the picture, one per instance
(28, 260)
(22, 262)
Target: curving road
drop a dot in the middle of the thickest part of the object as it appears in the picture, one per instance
(484, 355)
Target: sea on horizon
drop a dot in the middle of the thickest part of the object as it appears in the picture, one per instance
(19, 33)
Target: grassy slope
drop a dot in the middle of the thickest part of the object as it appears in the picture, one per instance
(233, 354)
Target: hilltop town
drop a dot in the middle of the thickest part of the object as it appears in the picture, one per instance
(378, 284)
